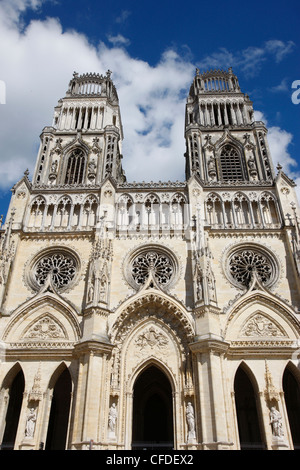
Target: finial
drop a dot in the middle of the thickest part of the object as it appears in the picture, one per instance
(26, 172)
(279, 167)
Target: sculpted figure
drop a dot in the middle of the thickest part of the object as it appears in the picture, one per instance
(112, 418)
(190, 417)
(30, 423)
(276, 422)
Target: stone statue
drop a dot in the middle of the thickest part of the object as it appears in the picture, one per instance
(276, 422)
(190, 417)
(91, 293)
(54, 166)
(30, 423)
(112, 419)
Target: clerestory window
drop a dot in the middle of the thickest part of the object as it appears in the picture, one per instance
(75, 167)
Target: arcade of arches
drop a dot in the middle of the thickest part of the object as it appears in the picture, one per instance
(153, 412)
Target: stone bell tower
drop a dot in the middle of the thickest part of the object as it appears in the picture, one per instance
(90, 109)
(224, 144)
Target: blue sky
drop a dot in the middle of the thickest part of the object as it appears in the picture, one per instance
(152, 49)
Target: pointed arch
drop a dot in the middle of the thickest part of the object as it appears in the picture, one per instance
(284, 326)
(11, 403)
(248, 412)
(42, 306)
(214, 210)
(291, 390)
(74, 162)
(60, 388)
(270, 211)
(230, 157)
(230, 161)
(152, 414)
(126, 210)
(36, 211)
(148, 363)
(163, 306)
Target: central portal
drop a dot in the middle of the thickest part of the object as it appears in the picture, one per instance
(152, 424)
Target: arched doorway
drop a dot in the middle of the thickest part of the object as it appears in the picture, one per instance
(59, 414)
(292, 400)
(152, 423)
(247, 413)
(16, 391)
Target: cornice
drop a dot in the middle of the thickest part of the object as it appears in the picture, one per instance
(209, 343)
(263, 348)
(92, 347)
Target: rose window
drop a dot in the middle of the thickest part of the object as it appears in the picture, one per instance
(244, 263)
(61, 267)
(159, 264)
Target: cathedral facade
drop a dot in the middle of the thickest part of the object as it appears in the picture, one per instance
(151, 315)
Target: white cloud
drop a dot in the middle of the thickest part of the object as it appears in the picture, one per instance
(123, 16)
(249, 60)
(282, 87)
(37, 63)
(118, 40)
(279, 48)
(279, 142)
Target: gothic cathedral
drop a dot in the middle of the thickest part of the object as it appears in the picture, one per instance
(151, 315)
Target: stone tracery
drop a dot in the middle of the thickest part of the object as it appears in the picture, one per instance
(242, 210)
(60, 266)
(243, 264)
(151, 261)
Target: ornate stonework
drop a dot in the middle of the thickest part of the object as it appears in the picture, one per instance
(128, 304)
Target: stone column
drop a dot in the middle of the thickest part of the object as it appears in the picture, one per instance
(209, 350)
(90, 394)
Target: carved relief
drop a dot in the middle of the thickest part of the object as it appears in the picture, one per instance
(260, 325)
(151, 338)
(45, 328)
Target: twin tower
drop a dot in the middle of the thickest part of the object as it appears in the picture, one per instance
(151, 315)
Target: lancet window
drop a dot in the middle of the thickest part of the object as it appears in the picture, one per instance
(221, 113)
(65, 214)
(110, 151)
(75, 167)
(125, 207)
(231, 164)
(89, 212)
(270, 211)
(37, 211)
(150, 212)
(241, 211)
(214, 210)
